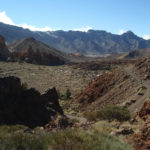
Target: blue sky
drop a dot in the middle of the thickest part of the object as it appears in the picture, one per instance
(116, 16)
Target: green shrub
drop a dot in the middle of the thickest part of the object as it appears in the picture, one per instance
(109, 113)
(5, 129)
(23, 142)
(19, 60)
(114, 112)
(59, 94)
(67, 95)
(90, 116)
(25, 86)
(63, 140)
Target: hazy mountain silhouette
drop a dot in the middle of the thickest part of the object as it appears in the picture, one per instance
(93, 42)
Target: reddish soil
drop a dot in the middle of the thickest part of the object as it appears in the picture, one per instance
(111, 88)
(141, 140)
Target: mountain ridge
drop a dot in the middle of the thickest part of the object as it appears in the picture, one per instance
(93, 42)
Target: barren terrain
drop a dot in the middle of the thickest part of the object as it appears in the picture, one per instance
(44, 77)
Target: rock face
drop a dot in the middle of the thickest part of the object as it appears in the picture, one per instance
(143, 67)
(4, 52)
(145, 111)
(142, 139)
(37, 57)
(60, 122)
(2, 42)
(38, 54)
(99, 87)
(38, 48)
(19, 105)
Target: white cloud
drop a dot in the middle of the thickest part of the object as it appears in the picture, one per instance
(33, 28)
(122, 31)
(5, 19)
(146, 37)
(83, 29)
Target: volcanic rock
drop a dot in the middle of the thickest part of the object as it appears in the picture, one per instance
(99, 87)
(142, 139)
(4, 52)
(19, 105)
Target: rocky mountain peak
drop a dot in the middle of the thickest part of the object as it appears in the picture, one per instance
(129, 34)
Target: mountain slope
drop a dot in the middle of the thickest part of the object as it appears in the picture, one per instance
(135, 54)
(31, 51)
(23, 44)
(93, 42)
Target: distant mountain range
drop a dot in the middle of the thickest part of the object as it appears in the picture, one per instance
(93, 42)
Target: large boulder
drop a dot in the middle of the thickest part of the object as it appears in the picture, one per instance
(19, 105)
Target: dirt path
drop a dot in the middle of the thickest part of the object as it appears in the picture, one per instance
(81, 120)
(140, 99)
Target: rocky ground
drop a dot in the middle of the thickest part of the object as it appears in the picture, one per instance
(124, 85)
(44, 77)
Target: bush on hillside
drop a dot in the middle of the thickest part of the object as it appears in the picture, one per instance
(114, 112)
(109, 113)
(91, 116)
(67, 95)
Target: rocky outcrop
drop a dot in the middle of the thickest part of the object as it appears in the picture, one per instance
(19, 105)
(2, 42)
(38, 54)
(60, 122)
(145, 111)
(143, 68)
(99, 87)
(142, 139)
(34, 56)
(4, 52)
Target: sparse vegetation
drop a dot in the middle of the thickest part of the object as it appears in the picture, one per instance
(109, 113)
(62, 140)
(67, 94)
(24, 85)
(19, 60)
(91, 116)
(114, 112)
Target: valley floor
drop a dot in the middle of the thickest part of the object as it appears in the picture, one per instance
(125, 88)
(43, 77)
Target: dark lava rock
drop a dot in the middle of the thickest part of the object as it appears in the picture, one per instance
(19, 105)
